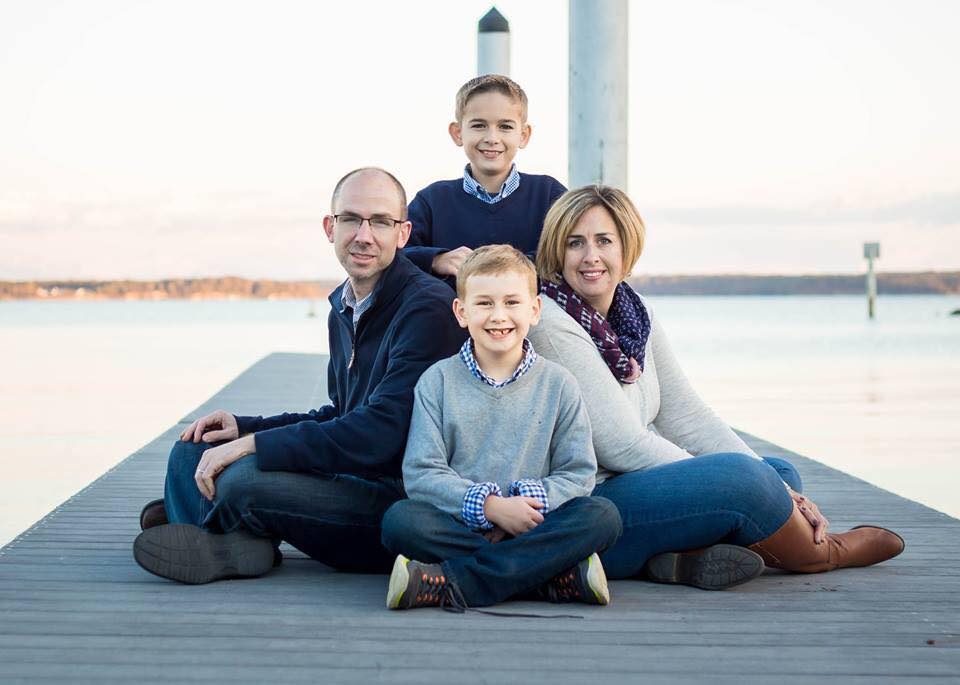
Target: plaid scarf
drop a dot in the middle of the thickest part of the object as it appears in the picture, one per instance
(621, 337)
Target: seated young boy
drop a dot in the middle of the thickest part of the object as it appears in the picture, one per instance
(492, 202)
(499, 463)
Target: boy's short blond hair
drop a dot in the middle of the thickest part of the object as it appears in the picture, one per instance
(565, 214)
(490, 83)
(495, 259)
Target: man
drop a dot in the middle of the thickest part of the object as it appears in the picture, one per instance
(237, 485)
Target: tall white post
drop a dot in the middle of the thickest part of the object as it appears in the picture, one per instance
(493, 44)
(871, 251)
(598, 93)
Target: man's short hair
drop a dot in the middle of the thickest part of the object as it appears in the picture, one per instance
(401, 193)
(565, 214)
(491, 260)
(490, 83)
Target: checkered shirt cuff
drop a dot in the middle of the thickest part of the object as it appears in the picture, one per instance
(531, 487)
(472, 510)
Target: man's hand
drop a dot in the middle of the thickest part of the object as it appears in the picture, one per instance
(214, 427)
(515, 515)
(216, 459)
(812, 513)
(449, 263)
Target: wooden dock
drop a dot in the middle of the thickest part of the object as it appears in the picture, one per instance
(74, 607)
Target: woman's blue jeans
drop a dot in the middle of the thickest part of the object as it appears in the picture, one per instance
(693, 503)
(334, 519)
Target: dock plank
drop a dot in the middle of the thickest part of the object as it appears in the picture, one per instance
(76, 608)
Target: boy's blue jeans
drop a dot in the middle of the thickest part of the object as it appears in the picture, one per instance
(693, 503)
(487, 573)
(334, 519)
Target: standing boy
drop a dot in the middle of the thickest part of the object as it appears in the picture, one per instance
(499, 462)
(492, 202)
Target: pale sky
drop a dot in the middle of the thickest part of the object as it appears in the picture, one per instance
(171, 138)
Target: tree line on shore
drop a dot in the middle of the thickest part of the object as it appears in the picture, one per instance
(929, 282)
(905, 283)
(165, 289)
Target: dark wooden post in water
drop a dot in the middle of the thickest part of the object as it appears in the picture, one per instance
(871, 251)
(493, 44)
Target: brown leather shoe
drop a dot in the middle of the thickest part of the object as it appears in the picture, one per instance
(792, 548)
(153, 514)
(717, 567)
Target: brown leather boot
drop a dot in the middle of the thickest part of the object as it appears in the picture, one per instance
(792, 548)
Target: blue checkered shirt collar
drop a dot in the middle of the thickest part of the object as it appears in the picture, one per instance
(529, 357)
(471, 187)
(348, 299)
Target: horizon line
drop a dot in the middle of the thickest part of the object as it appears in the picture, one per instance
(740, 274)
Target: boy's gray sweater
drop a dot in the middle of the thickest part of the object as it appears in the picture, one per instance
(464, 432)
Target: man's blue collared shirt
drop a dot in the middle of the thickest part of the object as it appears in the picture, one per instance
(349, 299)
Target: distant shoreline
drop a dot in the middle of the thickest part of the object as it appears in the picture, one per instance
(229, 287)
(894, 283)
(225, 288)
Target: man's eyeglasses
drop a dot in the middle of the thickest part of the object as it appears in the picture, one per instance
(378, 222)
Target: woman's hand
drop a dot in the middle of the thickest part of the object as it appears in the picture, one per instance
(812, 513)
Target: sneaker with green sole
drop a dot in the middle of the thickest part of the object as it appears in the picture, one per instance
(414, 584)
(586, 582)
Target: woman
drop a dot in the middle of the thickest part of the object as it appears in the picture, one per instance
(648, 423)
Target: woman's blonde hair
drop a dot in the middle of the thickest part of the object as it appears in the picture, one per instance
(566, 213)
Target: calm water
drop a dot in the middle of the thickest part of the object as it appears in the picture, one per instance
(87, 383)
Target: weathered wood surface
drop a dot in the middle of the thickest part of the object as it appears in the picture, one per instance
(75, 607)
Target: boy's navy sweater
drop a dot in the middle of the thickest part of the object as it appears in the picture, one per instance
(370, 380)
(444, 217)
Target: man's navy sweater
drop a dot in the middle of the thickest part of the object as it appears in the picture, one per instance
(444, 217)
(370, 380)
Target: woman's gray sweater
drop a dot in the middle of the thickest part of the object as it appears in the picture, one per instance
(658, 419)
